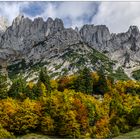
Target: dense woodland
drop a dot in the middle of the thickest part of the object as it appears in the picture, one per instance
(84, 105)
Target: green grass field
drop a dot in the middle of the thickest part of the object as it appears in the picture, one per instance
(33, 136)
(135, 134)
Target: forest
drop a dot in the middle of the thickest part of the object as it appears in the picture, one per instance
(83, 105)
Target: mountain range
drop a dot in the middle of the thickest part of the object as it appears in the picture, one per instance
(27, 45)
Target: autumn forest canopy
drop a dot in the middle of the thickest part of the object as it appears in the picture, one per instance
(83, 105)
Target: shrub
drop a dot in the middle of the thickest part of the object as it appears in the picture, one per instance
(134, 116)
(69, 127)
(102, 128)
(114, 131)
(26, 119)
(47, 125)
(8, 108)
(4, 134)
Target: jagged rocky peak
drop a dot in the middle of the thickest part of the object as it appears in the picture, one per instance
(55, 23)
(38, 24)
(25, 33)
(58, 23)
(49, 20)
(95, 35)
(134, 31)
(52, 26)
(38, 19)
(17, 20)
(3, 24)
(76, 29)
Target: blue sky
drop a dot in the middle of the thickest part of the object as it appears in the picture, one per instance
(118, 16)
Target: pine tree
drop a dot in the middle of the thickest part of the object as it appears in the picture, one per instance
(3, 86)
(45, 79)
(101, 86)
(18, 88)
(84, 81)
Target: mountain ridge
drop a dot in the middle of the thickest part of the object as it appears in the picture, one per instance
(48, 43)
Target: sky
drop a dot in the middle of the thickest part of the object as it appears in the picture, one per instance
(117, 16)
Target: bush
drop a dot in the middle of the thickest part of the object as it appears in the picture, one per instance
(24, 122)
(68, 126)
(134, 116)
(4, 134)
(102, 128)
(8, 108)
(26, 119)
(47, 125)
(114, 131)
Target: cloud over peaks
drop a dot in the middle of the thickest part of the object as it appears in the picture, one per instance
(118, 16)
(10, 10)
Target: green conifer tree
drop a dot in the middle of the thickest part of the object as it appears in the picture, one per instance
(83, 82)
(18, 88)
(101, 86)
(3, 86)
(45, 79)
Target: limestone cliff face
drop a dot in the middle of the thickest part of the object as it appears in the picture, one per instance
(3, 24)
(95, 36)
(24, 33)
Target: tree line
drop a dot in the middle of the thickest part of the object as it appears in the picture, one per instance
(67, 106)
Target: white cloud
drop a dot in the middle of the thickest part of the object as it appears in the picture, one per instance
(75, 11)
(10, 10)
(118, 16)
(50, 11)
